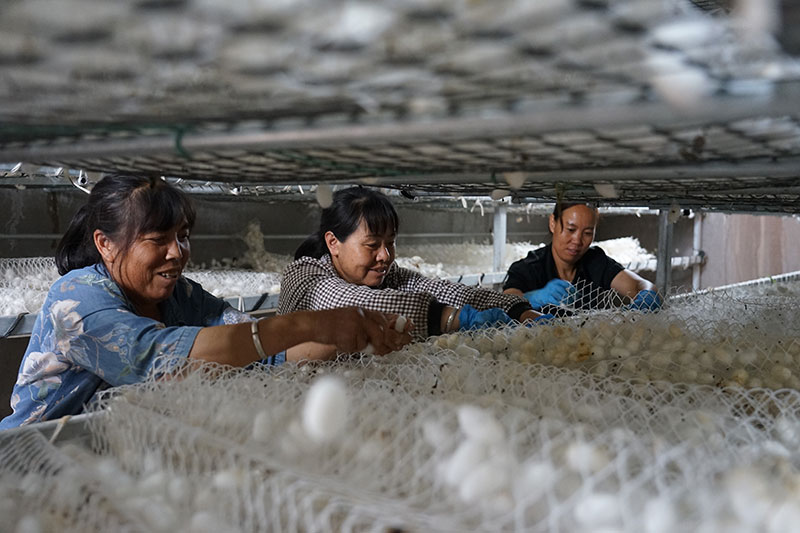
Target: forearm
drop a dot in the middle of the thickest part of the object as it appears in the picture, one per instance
(233, 344)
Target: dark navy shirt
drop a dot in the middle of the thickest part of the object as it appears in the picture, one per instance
(593, 276)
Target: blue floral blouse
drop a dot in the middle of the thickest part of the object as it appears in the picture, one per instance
(88, 337)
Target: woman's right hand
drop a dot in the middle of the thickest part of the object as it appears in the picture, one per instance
(352, 329)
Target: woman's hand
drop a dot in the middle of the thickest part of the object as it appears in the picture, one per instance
(556, 292)
(352, 329)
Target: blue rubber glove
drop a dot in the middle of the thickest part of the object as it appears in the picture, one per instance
(556, 292)
(646, 301)
(540, 320)
(471, 318)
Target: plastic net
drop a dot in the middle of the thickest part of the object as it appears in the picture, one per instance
(24, 283)
(233, 283)
(686, 419)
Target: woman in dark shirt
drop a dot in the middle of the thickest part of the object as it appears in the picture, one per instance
(570, 272)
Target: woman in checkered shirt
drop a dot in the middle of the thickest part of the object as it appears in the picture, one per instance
(350, 261)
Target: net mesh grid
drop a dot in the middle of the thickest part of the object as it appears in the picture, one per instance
(502, 429)
(476, 62)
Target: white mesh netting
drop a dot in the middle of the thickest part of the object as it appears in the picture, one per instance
(687, 419)
(450, 260)
(25, 281)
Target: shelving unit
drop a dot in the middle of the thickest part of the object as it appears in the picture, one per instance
(661, 105)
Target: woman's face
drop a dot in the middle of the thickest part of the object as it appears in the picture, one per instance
(572, 238)
(363, 258)
(151, 267)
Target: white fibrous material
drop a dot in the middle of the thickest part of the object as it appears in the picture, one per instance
(325, 409)
(448, 260)
(681, 420)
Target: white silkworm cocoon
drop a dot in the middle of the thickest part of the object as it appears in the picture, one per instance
(660, 360)
(585, 457)
(740, 376)
(672, 346)
(534, 479)
(705, 361)
(772, 383)
(207, 522)
(29, 524)
(681, 85)
(675, 331)
(686, 33)
(155, 482)
(781, 373)
(705, 378)
(486, 479)
(747, 357)
(723, 357)
(228, 479)
(515, 179)
(785, 518)
(467, 456)
(480, 425)
(659, 516)
(400, 323)
(598, 509)
(748, 494)
(598, 352)
(687, 359)
(159, 517)
(484, 345)
(755, 383)
(178, 490)
(325, 409)
(436, 434)
(600, 369)
(633, 346)
(631, 366)
(689, 375)
(262, 427)
(499, 194)
(619, 352)
(499, 343)
(324, 195)
(467, 351)
(369, 349)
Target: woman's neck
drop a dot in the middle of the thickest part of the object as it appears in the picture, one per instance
(565, 271)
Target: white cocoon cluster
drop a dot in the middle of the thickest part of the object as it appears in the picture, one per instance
(261, 427)
(480, 425)
(325, 409)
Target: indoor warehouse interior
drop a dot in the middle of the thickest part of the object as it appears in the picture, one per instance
(674, 123)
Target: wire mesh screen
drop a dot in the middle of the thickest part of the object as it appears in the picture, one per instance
(686, 419)
(694, 99)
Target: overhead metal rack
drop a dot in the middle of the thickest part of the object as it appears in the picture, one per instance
(632, 103)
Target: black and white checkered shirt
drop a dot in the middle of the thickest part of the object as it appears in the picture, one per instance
(313, 284)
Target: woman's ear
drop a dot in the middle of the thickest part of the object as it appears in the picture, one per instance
(333, 243)
(552, 224)
(104, 245)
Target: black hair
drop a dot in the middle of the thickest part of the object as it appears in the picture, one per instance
(123, 207)
(344, 215)
(560, 207)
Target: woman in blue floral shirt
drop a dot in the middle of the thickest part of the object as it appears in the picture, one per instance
(122, 312)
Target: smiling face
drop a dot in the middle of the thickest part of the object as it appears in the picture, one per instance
(363, 258)
(573, 233)
(151, 266)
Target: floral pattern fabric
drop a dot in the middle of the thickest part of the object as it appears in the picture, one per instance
(88, 337)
